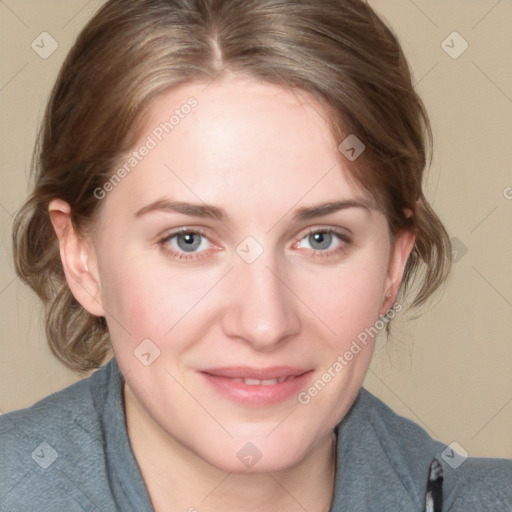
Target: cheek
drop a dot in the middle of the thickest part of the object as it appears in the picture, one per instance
(132, 298)
(129, 299)
(348, 299)
(146, 300)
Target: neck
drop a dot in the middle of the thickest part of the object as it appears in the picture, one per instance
(190, 484)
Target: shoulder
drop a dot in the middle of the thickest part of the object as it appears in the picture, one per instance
(42, 445)
(75, 405)
(469, 482)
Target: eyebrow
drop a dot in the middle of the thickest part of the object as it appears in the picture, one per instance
(192, 209)
(331, 207)
(214, 212)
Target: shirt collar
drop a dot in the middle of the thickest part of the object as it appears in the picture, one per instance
(120, 457)
(365, 476)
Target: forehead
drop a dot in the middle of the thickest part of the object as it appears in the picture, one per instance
(238, 141)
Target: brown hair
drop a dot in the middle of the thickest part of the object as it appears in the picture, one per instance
(339, 51)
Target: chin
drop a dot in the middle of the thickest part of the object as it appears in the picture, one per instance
(268, 463)
(243, 456)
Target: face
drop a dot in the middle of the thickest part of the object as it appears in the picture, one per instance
(236, 266)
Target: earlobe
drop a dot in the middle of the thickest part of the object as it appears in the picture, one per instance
(78, 259)
(402, 247)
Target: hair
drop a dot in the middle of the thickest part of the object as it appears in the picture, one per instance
(131, 51)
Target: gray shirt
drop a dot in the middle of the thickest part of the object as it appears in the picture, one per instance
(70, 452)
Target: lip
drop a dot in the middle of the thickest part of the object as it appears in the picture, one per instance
(223, 381)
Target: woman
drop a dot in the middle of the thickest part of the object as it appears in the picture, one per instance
(229, 196)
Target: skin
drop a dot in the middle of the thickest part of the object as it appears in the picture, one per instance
(260, 152)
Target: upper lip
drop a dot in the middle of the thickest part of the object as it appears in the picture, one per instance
(248, 372)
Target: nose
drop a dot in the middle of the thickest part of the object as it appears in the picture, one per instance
(261, 309)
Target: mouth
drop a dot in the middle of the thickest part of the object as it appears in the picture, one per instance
(264, 382)
(257, 386)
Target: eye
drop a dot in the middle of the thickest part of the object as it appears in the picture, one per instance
(185, 244)
(193, 244)
(324, 242)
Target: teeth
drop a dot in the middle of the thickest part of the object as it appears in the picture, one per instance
(256, 382)
(264, 382)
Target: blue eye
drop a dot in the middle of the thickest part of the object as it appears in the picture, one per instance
(185, 244)
(325, 241)
(320, 240)
(192, 244)
(188, 241)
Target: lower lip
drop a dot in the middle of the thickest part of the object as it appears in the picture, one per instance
(260, 394)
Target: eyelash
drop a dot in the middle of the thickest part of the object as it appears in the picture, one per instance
(345, 241)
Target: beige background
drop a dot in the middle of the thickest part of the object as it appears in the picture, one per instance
(450, 369)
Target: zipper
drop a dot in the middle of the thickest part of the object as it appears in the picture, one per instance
(434, 491)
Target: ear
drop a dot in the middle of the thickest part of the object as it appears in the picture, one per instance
(78, 259)
(402, 247)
